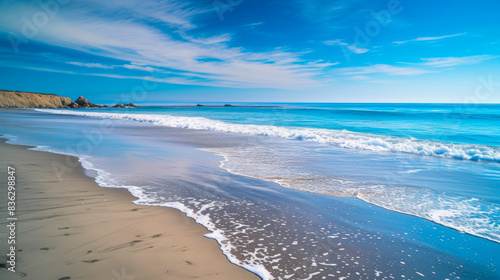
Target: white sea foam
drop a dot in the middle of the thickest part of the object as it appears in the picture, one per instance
(10, 138)
(469, 215)
(344, 139)
(105, 179)
(251, 264)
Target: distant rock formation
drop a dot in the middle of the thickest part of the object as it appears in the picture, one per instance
(125, 105)
(214, 106)
(84, 103)
(20, 99)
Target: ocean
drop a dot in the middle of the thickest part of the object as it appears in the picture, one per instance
(303, 191)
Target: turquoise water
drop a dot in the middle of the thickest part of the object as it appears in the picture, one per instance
(456, 131)
(454, 123)
(406, 189)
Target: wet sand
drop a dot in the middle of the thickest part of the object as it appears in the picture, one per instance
(70, 228)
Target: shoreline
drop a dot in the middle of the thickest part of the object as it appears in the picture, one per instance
(72, 227)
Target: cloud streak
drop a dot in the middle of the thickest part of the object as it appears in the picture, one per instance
(427, 65)
(382, 69)
(421, 39)
(90, 65)
(343, 44)
(455, 61)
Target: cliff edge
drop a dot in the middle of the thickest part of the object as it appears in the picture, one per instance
(20, 99)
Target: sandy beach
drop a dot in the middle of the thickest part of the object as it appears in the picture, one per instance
(70, 228)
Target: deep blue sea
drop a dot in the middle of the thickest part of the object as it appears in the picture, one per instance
(304, 191)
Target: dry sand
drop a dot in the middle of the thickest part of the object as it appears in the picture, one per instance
(70, 228)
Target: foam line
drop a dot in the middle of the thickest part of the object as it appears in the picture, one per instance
(343, 139)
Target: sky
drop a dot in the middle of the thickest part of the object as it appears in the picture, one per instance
(148, 51)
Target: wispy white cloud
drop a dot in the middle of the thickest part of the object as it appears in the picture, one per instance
(455, 61)
(419, 39)
(427, 65)
(139, 67)
(45, 69)
(382, 69)
(206, 40)
(91, 65)
(134, 34)
(132, 66)
(343, 44)
(254, 24)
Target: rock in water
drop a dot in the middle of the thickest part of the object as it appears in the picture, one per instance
(125, 105)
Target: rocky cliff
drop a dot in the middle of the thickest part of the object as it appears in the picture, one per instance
(19, 99)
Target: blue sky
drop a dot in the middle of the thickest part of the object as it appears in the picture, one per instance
(251, 50)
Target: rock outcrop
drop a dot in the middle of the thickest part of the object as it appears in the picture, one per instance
(20, 99)
(125, 105)
(84, 103)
